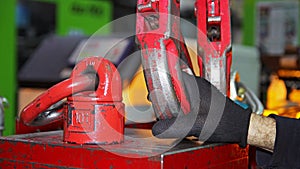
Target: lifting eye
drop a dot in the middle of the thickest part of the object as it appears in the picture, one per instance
(91, 72)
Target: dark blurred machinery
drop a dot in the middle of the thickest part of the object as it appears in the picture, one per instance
(55, 57)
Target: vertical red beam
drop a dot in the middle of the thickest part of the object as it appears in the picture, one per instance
(214, 14)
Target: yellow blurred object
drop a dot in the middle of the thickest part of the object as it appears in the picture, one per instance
(269, 112)
(135, 94)
(298, 115)
(294, 96)
(276, 94)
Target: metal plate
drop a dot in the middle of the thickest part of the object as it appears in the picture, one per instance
(47, 150)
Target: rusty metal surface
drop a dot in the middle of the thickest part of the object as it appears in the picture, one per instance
(47, 150)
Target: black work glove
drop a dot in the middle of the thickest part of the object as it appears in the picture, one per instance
(213, 117)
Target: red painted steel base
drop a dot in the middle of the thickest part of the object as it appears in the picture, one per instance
(47, 150)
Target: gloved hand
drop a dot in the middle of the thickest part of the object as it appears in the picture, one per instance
(213, 117)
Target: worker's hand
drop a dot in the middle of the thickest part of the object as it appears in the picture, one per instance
(213, 117)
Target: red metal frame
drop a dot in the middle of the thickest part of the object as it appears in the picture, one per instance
(47, 150)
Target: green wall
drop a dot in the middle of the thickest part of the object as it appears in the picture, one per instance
(83, 17)
(249, 22)
(8, 82)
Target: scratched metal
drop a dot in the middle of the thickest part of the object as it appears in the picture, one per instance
(161, 52)
(47, 150)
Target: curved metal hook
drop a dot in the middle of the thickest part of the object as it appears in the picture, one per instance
(53, 114)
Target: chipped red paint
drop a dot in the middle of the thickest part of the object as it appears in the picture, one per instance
(96, 116)
(47, 150)
(91, 115)
(44, 150)
(214, 14)
(52, 96)
(163, 49)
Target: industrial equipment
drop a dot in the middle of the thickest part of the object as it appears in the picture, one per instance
(164, 50)
(94, 135)
(91, 117)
